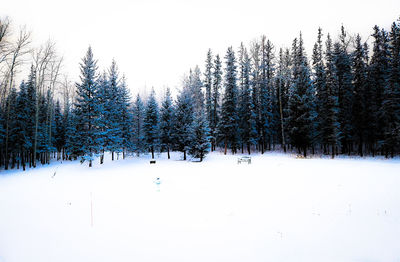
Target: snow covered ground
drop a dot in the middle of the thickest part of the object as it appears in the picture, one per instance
(279, 208)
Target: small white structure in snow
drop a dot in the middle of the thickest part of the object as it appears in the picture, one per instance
(244, 159)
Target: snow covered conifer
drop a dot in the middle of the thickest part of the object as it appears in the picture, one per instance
(215, 103)
(138, 112)
(166, 122)
(200, 145)
(228, 125)
(247, 116)
(151, 125)
(183, 122)
(301, 101)
(86, 108)
(208, 85)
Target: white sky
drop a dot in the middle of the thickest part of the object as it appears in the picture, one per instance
(155, 42)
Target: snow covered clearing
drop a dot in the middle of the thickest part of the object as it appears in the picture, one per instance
(278, 208)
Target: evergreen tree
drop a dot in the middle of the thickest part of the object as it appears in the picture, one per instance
(283, 82)
(183, 122)
(21, 128)
(138, 113)
(319, 81)
(378, 82)
(125, 117)
(266, 93)
(150, 124)
(345, 91)
(87, 109)
(112, 111)
(11, 125)
(208, 86)
(195, 85)
(215, 105)
(73, 147)
(301, 101)
(60, 129)
(360, 70)
(200, 144)
(228, 125)
(166, 122)
(31, 111)
(330, 126)
(102, 122)
(391, 95)
(247, 117)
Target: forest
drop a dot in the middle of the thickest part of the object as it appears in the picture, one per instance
(343, 99)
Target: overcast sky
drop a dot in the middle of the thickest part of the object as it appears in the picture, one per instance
(155, 42)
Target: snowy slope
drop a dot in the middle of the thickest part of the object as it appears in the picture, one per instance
(277, 209)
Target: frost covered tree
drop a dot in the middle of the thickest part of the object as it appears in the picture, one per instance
(378, 77)
(319, 81)
(125, 124)
(183, 122)
(301, 101)
(60, 129)
(360, 77)
(265, 93)
(112, 111)
(195, 86)
(151, 124)
(166, 122)
(208, 73)
(247, 117)
(283, 81)
(138, 112)
(200, 144)
(215, 103)
(390, 109)
(342, 61)
(86, 108)
(228, 124)
(330, 126)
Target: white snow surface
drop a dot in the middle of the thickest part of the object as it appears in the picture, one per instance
(278, 208)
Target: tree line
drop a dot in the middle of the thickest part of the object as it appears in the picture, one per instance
(341, 100)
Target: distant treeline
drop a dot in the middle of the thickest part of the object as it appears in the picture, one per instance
(344, 100)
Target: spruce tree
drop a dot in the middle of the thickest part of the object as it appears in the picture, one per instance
(200, 145)
(390, 109)
(345, 91)
(208, 85)
(330, 126)
(112, 111)
(360, 70)
(166, 122)
(247, 117)
(183, 122)
(378, 82)
(215, 104)
(138, 112)
(228, 125)
(319, 81)
(266, 93)
(87, 109)
(60, 129)
(301, 101)
(21, 128)
(125, 117)
(150, 124)
(283, 81)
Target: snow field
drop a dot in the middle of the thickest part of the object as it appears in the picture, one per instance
(277, 209)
